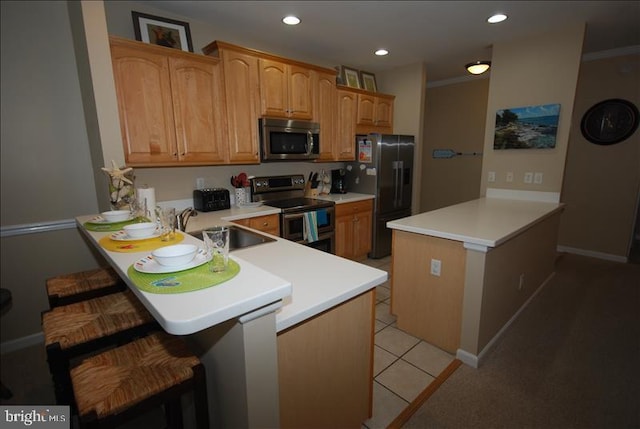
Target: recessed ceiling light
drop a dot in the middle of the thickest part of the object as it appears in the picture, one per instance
(382, 52)
(498, 17)
(291, 20)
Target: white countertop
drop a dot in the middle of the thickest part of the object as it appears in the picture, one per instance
(485, 222)
(349, 197)
(308, 280)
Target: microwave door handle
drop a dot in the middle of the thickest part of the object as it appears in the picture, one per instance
(309, 143)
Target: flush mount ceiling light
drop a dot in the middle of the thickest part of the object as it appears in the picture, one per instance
(478, 67)
(498, 17)
(381, 52)
(291, 20)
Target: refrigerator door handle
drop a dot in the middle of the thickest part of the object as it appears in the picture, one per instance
(400, 182)
(394, 165)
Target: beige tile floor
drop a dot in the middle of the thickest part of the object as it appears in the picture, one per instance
(403, 365)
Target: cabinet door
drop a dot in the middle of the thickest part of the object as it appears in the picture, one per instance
(300, 92)
(198, 103)
(143, 90)
(384, 112)
(362, 234)
(325, 115)
(366, 110)
(274, 88)
(242, 96)
(344, 236)
(346, 135)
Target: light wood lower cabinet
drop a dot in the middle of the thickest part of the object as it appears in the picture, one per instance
(325, 367)
(353, 229)
(268, 223)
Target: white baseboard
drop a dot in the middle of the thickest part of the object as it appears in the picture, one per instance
(593, 254)
(475, 361)
(22, 343)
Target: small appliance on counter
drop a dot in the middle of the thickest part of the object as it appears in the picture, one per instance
(211, 199)
(338, 181)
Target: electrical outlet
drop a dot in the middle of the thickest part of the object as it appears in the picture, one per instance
(491, 177)
(436, 267)
(200, 183)
(509, 176)
(528, 177)
(537, 178)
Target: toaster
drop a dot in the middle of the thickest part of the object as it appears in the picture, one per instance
(211, 199)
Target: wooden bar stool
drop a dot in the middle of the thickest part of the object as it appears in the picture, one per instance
(119, 384)
(69, 288)
(74, 330)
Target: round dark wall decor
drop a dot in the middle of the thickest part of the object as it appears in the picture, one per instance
(609, 121)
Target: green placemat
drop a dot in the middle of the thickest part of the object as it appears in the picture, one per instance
(117, 226)
(183, 281)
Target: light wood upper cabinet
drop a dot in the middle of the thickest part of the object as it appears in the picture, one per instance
(374, 110)
(325, 99)
(199, 110)
(143, 90)
(346, 134)
(171, 105)
(285, 90)
(242, 95)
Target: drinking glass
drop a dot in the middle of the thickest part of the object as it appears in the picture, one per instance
(167, 221)
(216, 241)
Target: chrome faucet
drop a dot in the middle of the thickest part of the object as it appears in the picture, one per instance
(183, 217)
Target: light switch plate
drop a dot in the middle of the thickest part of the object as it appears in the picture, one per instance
(537, 178)
(528, 177)
(491, 177)
(436, 266)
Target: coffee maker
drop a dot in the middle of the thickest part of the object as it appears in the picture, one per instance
(338, 181)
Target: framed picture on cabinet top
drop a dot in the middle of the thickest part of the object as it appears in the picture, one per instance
(350, 77)
(368, 81)
(162, 31)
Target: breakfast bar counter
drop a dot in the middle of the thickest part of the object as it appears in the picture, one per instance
(255, 332)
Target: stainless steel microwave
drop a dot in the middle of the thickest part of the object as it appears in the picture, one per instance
(284, 140)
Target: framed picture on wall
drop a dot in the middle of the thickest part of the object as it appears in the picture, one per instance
(531, 127)
(368, 81)
(350, 77)
(162, 31)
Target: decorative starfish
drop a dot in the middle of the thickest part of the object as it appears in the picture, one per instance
(116, 173)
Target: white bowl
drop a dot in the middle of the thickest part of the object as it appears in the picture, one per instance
(176, 255)
(116, 215)
(140, 230)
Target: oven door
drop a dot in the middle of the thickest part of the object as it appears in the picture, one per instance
(292, 228)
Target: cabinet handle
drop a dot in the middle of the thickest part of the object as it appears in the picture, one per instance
(265, 224)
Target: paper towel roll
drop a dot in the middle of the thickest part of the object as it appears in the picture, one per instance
(147, 197)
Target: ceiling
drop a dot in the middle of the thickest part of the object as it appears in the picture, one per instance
(445, 35)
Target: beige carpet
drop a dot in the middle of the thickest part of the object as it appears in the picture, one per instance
(570, 360)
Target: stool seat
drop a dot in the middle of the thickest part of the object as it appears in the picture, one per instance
(110, 383)
(70, 288)
(74, 330)
(84, 321)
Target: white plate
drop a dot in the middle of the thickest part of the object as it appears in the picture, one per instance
(100, 219)
(256, 204)
(150, 266)
(123, 236)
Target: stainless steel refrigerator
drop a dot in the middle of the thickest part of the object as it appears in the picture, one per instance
(384, 168)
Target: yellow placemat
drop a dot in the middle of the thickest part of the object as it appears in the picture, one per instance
(183, 281)
(138, 245)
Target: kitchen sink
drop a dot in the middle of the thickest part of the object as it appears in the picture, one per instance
(239, 238)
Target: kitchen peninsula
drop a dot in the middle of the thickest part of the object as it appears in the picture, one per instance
(461, 273)
(274, 330)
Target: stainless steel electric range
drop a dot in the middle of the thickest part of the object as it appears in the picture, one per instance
(287, 194)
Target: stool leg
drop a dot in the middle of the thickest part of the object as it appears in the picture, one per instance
(5, 393)
(201, 401)
(173, 413)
